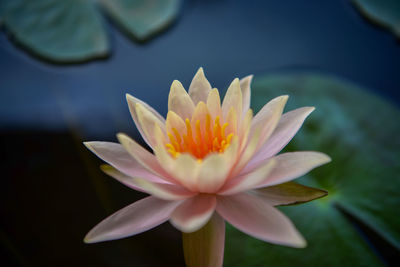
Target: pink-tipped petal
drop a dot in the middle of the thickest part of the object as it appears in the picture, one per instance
(199, 87)
(115, 155)
(179, 101)
(122, 178)
(233, 98)
(246, 92)
(268, 117)
(193, 213)
(132, 101)
(292, 165)
(144, 157)
(248, 181)
(287, 127)
(133, 219)
(164, 191)
(257, 218)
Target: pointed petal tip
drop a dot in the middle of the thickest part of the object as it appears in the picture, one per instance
(176, 84)
(89, 145)
(324, 158)
(284, 97)
(200, 71)
(122, 137)
(300, 242)
(89, 239)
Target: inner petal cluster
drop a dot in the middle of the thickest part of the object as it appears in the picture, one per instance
(202, 136)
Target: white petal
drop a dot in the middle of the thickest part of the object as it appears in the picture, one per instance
(246, 92)
(199, 88)
(133, 219)
(232, 99)
(179, 101)
(255, 217)
(213, 173)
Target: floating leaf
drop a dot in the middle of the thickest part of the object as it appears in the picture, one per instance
(57, 30)
(141, 18)
(383, 12)
(73, 30)
(360, 133)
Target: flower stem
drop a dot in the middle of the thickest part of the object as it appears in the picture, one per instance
(205, 247)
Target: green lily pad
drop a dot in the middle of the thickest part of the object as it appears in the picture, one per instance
(140, 18)
(61, 31)
(360, 133)
(73, 30)
(383, 12)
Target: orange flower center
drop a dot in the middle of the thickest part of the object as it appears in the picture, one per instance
(200, 141)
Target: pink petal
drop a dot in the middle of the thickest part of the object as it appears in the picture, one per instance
(246, 92)
(179, 101)
(133, 219)
(247, 181)
(144, 157)
(132, 101)
(292, 165)
(193, 213)
(163, 191)
(287, 127)
(115, 155)
(257, 218)
(268, 117)
(123, 178)
(199, 88)
(205, 247)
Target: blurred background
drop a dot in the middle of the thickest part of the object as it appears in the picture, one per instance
(65, 67)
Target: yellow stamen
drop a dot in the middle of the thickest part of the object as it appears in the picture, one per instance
(200, 140)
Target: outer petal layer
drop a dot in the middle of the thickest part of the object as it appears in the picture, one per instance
(257, 218)
(268, 117)
(292, 165)
(119, 158)
(144, 157)
(193, 213)
(133, 219)
(288, 126)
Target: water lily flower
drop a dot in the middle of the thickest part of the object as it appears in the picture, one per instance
(211, 162)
